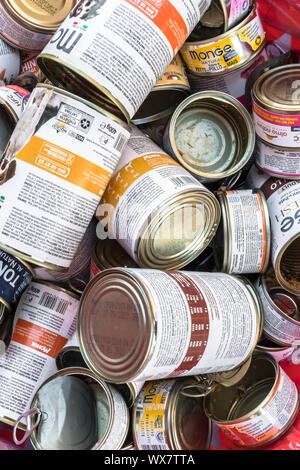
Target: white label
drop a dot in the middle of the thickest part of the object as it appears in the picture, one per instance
(247, 228)
(119, 427)
(45, 319)
(15, 98)
(273, 417)
(212, 329)
(282, 355)
(285, 163)
(58, 162)
(98, 38)
(10, 61)
(277, 326)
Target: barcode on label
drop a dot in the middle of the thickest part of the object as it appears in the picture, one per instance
(182, 180)
(120, 143)
(54, 303)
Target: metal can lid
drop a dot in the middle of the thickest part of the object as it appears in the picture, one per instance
(44, 16)
(231, 377)
(116, 325)
(278, 89)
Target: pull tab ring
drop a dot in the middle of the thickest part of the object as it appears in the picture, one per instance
(29, 428)
(204, 384)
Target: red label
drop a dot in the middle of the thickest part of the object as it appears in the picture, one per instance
(200, 322)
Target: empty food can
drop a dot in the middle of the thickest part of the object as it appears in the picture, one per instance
(107, 254)
(259, 409)
(54, 171)
(281, 310)
(80, 412)
(165, 419)
(228, 51)
(211, 134)
(276, 110)
(160, 214)
(102, 51)
(280, 353)
(29, 25)
(278, 161)
(283, 202)
(139, 324)
(243, 240)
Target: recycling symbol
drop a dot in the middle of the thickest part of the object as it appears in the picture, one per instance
(85, 123)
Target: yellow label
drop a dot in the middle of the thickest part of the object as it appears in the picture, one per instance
(252, 34)
(151, 426)
(129, 173)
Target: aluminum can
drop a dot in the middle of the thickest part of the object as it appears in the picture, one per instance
(257, 410)
(140, 324)
(102, 51)
(29, 25)
(211, 135)
(109, 412)
(280, 353)
(45, 319)
(171, 88)
(60, 172)
(159, 213)
(228, 51)
(165, 419)
(107, 254)
(283, 202)
(10, 62)
(276, 110)
(281, 310)
(243, 240)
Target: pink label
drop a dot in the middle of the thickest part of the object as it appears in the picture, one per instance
(18, 89)
(286, 120)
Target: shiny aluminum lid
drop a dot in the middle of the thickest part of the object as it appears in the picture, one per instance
(110, 254)
(116, 325)
(45, 15)
(278, 90)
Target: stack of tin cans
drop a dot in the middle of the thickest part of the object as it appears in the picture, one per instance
(149, 275)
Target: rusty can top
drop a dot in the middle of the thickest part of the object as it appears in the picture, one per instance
(42, 16)
(278, 90)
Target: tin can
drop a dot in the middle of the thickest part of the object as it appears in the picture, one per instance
(281, 310)
(233, 83)
(243, 240)
(276, 110)
(159, 213)
(210, 134)
(140, 324)
(228, 51)
(60, 171)
(10, 62)
(213, 23)
(45, 319)
(237, 10)
(280, 353)
(165, 419)
(29, 25)
(109, 414)
(107, 254)
(102, 51)
(15, 275)
(171, 88)
(279, 162)
(257, 410)
(283, 202)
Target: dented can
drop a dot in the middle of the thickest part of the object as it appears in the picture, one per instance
(107, 254)
(142, 324)
(211, 135)
(281, 310)
(228, 51)
(55, 150)
(102, 51)
(276, 110)
(283, 202)
(159, 213)
(100, 410)
(165, 419)
(29, 25)
(259, 409)
(243, 240)
(45, 319)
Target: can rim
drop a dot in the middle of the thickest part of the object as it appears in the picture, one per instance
(43, 57)
(277, 267)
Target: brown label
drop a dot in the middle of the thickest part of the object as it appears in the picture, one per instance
(272, 185)
(200, 323)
